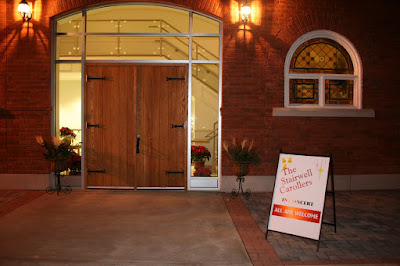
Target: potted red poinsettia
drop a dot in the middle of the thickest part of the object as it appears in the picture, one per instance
(199, 155)
(74, 165)
(202, 171)
(67, 134)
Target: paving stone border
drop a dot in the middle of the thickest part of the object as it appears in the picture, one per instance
(258, 248)
(13, 199)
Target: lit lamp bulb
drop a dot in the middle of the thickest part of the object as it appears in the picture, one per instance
(245, 12)
(25, 10)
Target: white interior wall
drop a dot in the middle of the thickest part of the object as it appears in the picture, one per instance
(206, 109)
(69, 100)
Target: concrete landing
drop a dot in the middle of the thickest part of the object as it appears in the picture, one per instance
(122, 228)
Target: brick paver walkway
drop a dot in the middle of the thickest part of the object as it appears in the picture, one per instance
(259, 250)
(368, 230)
(12, 199)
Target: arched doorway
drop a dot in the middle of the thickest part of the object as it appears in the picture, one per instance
(132, 39)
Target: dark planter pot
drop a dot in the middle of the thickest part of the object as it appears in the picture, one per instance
(198, 164)
(58, 166)
(240, 169)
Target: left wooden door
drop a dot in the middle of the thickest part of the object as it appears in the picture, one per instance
(110, 126)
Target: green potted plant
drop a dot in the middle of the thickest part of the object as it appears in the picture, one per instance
(57, 152)
(242, 154)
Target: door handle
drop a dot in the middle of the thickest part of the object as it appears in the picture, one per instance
(137, 143)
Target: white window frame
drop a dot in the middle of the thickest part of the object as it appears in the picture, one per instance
(356, 77)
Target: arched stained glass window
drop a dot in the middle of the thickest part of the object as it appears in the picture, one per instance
(321, 56)
(322, 70)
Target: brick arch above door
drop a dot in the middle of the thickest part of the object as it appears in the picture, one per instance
(209, 7)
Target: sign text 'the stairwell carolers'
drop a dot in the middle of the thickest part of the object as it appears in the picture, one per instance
(299, 195)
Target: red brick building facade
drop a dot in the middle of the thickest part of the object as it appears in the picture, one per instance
(252, 84)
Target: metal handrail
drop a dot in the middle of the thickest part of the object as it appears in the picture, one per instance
(163, 29)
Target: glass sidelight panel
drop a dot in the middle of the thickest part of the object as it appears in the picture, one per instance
(207, 74)
(138, 18)
(129, 48)
(204, 120)
(68, 99)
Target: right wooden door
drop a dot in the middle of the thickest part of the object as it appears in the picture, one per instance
(161, 126)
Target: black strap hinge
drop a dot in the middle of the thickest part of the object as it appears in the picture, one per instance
(88, 125)
(174, 172)
(168, 78)
(175, 126)
(96, 171)
(88, 78)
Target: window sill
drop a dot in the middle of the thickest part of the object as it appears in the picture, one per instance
(319, 112)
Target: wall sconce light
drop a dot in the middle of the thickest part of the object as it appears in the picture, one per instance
(245, 12)
(25, 10)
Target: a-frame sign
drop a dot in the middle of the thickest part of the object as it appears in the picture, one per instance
(299, 195)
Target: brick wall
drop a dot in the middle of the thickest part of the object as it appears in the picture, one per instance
(24, 90)
(252, 81)
(358, 145)
(3, 62)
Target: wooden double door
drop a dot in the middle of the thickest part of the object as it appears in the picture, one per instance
(136, 120)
